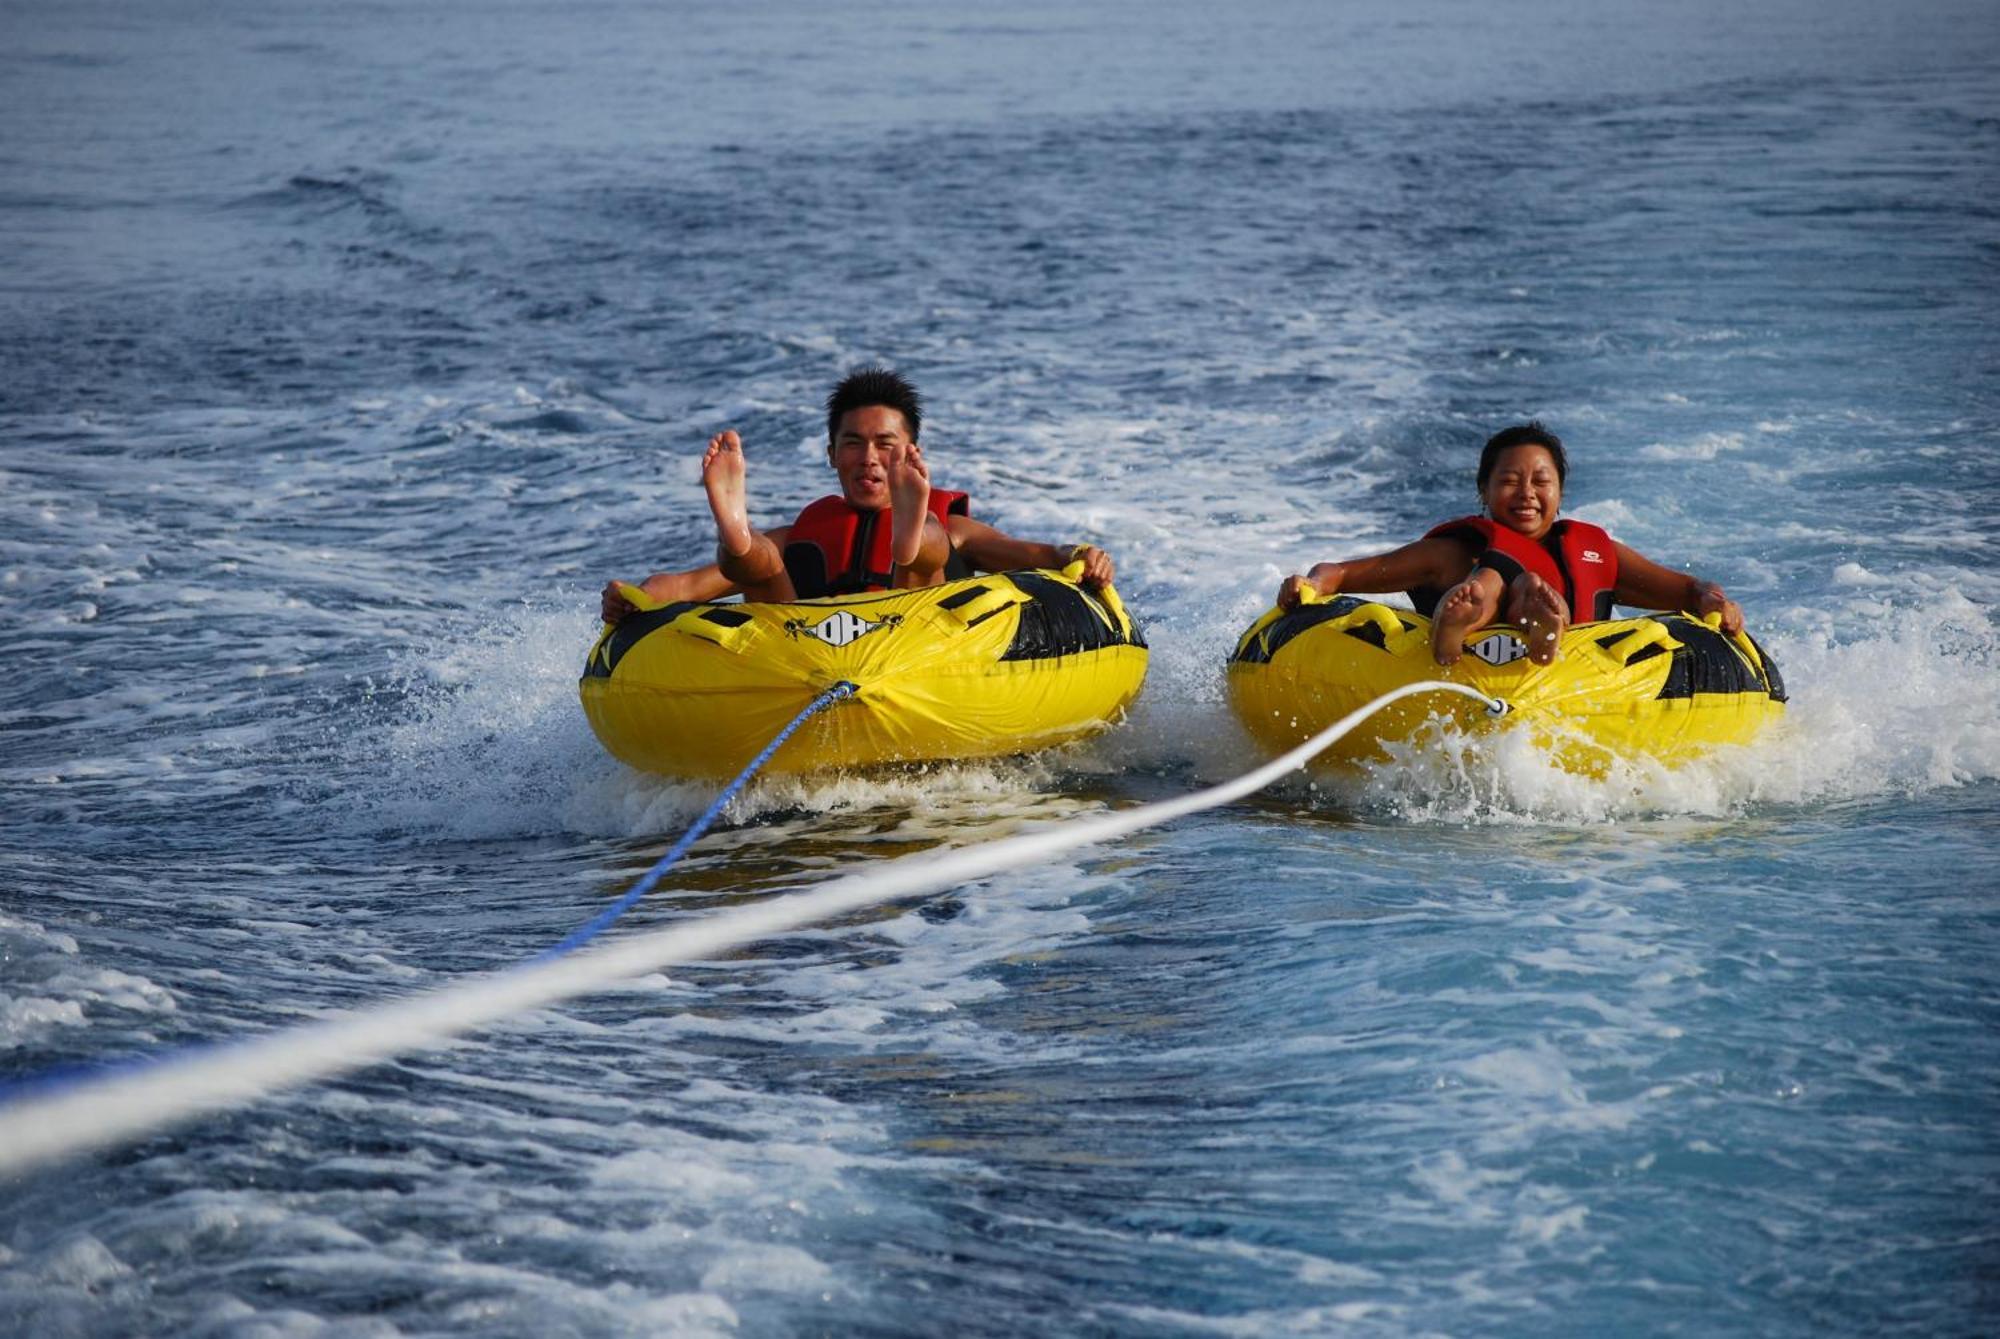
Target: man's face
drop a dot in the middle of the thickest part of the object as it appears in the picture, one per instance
(860, 453)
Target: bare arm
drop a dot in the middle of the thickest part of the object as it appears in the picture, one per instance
(1436, 562)
(927, 566)
(989, 550)
(697, 583)
(1645, 584)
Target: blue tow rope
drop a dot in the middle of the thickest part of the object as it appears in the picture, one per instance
(648, 881)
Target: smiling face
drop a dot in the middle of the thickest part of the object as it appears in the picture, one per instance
(1524, 491)
(860, 453)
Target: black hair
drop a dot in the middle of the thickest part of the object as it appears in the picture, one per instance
(870, 386)
(1531, 433)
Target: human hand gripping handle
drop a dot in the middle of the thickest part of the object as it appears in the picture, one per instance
(1709, 598)
(622, 598)
(1310, 588)
(1098, 569)
(614, 605)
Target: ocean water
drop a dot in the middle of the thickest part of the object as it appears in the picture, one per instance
(345, 351)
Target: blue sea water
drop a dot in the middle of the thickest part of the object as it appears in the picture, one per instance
(345, 351)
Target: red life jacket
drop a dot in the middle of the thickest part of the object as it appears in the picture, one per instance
(1575, 557)
(836, 548)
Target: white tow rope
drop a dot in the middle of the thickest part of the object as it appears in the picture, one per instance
(95, 1110)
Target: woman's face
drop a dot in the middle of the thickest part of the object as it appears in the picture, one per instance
(1524, 492)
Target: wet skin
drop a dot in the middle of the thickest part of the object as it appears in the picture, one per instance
(1523, 492)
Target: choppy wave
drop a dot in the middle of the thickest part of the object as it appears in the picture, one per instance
(1894, 697)
(336, 388)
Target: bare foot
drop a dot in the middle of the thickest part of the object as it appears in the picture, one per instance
(722, 477)
(909, 502)
(1537, 608)
(1468, 605)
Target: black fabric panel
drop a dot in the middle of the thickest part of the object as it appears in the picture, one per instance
(855, 578)
(1424, 599)
(806, 566)
(1552, 545)
(1370, 633)
(966, 596)
(1774, 680)
(1261, 649)
(1503, 566)
(725, 617)
(1610, 640)
(1138, 638)
(1058, 621)
(627, 634)
(990, 613)
(1706, 663)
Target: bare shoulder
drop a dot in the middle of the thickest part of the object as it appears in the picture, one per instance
(960, 526)
(1631, 560)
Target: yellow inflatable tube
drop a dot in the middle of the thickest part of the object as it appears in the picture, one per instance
(1666, 686)
(988, 666)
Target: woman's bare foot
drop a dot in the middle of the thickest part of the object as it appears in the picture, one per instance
(1541, 613)
(722, 477)
(909, 502)
(1468, 605)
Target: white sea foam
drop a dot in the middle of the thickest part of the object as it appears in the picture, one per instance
(1890, 698)
(1706, 446)
(1337, 1318)
(487, 738)
(51, 987)
(1221, 345)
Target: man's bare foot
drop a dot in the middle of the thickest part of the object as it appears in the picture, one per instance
(1468, 605)
(909, 502)
(1541, 613)
(722, 477)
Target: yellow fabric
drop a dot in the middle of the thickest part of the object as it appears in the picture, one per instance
(638, 598)
(692, 697)
(1586, 708)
